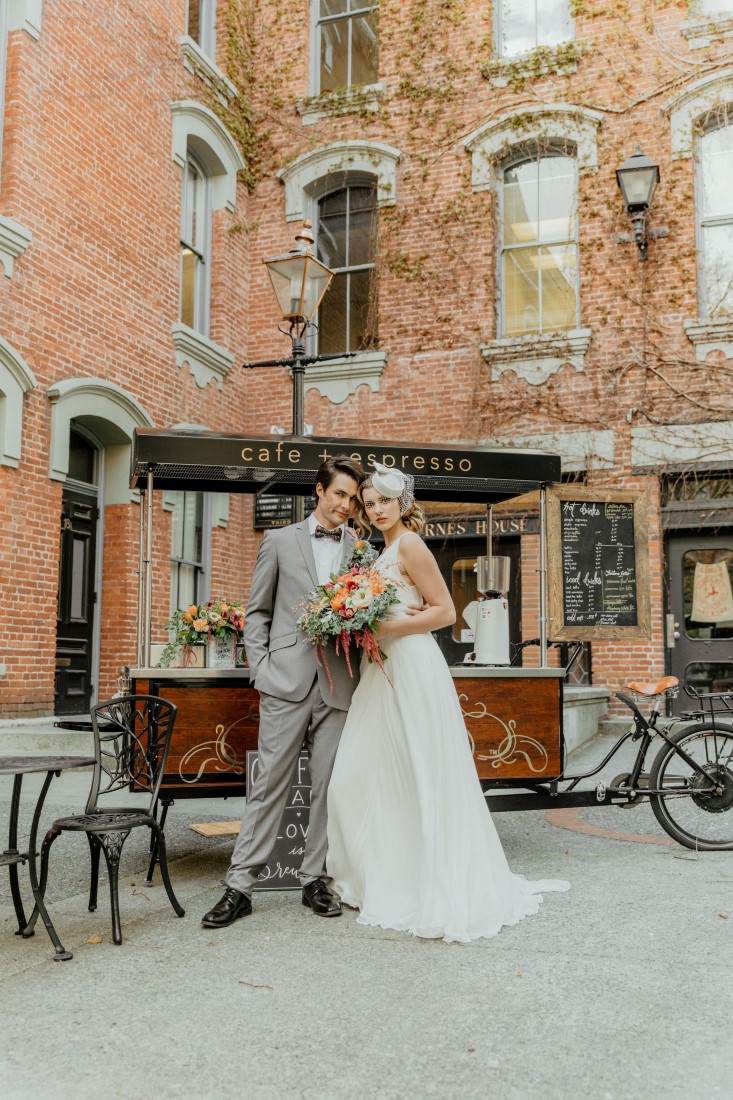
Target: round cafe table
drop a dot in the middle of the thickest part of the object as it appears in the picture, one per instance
(11, 857)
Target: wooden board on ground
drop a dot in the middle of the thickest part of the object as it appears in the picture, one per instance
(217, 828)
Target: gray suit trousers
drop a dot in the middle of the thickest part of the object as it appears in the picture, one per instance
(283, 727)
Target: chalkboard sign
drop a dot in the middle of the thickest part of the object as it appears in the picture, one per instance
(598, 564)
(282, 869)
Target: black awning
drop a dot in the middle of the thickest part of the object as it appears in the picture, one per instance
(212, 462)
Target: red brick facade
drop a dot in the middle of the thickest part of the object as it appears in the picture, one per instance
(87, 170)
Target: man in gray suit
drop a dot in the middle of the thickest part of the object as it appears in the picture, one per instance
(296, 699)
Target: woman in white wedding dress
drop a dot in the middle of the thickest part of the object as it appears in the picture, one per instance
(411, 843)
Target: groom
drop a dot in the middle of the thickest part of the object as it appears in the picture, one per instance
(296, 700)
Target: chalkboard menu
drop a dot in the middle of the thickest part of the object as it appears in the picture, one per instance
(276, 510)
(598, 564)
(282, 869)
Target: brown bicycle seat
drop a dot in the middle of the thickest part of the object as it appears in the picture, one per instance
(654, 688)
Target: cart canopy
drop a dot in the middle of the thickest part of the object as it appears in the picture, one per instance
(213, 462)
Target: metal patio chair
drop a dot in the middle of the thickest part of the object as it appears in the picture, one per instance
(132, 736)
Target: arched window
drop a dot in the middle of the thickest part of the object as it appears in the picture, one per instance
(538, 243)
(346, 242)
(195, 247)
(715, 221)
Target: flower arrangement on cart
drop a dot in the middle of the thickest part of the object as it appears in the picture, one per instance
(345, 609)
(217, 624)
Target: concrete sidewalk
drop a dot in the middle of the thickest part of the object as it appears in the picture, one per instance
(618, 989)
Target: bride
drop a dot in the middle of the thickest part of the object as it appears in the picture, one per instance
(411, 843)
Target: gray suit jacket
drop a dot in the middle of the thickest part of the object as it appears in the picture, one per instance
(281, 661)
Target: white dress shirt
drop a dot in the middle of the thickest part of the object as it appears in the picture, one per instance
(327, 553)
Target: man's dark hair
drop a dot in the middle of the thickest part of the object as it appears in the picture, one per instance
(339, 464)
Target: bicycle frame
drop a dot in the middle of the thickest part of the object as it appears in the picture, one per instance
(548, 795)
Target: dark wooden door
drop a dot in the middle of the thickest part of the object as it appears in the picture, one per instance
(700, 626)
(76, 602)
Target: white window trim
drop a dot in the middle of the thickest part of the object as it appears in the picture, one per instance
(14, 239)
(655, 446)
(694, 102)
(114, 414)
(368, 157)
(197, 128)
(205, 359)
(704, 30)
(707, 336)
(535, 358)
(338, 379)
(491, 142)
(580, 450)
(198, 62)
(25, 15)
(16, 379)
(359, 97)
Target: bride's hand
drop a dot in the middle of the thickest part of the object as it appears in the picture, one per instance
(384, 629)
(415, 608)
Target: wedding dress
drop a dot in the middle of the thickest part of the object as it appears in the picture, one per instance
(411, 843)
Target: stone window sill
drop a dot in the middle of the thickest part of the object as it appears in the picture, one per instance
(14, 239)
(537, 358)
(362, 97)
(701, 33)
(545, 60)
(204, 358)
(710, 336)
(337, 379)
(196, 61)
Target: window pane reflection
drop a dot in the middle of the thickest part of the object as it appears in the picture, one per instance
(539, 278)
(708, 593)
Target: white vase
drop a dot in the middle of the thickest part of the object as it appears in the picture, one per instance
(221, 652)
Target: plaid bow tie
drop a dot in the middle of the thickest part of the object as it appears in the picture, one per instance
(322, 533)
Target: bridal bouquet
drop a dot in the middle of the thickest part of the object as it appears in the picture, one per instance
(346, 608)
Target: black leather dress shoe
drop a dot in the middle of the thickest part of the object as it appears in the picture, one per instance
(318, 897)
(233, 905)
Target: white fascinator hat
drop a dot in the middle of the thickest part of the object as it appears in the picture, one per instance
(395, 485)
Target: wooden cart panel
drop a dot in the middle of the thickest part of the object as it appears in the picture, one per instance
(216, 724)
(515, 725)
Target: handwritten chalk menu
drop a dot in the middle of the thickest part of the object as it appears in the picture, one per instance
(282, 869)
(597, 564)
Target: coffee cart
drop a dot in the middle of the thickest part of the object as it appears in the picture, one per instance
(513, 715)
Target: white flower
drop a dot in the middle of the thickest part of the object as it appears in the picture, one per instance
(360, 597)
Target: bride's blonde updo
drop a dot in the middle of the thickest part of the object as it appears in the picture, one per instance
(413, 518)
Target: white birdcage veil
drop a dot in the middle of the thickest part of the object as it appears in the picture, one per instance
(394, 484)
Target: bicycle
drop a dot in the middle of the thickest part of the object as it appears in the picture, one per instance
(690, 782)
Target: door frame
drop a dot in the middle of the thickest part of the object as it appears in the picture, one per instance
(83, 487)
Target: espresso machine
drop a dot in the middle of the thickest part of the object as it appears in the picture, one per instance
(488, 617)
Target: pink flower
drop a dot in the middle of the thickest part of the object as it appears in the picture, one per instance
(347, 613)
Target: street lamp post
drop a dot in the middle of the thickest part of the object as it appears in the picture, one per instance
(299, 281)
(638, 178)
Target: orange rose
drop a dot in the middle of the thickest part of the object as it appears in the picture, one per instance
(193, 610)
(200, 624)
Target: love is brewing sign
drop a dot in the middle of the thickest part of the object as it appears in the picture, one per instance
(282, 869)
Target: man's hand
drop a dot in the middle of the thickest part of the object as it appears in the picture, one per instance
(415, 609)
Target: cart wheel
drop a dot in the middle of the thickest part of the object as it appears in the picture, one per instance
(623, 780)
(696, 803)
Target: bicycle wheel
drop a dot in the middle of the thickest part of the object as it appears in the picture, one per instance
(695, 808)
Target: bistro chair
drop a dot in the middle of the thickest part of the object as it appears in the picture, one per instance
(132, 735)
